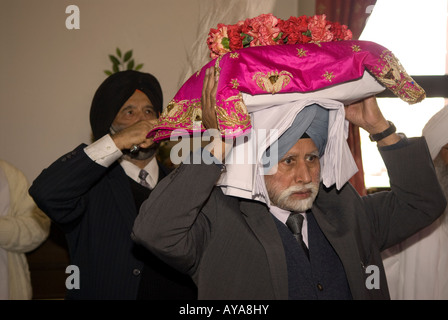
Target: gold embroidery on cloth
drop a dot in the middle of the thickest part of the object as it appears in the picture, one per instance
(234, 83)
(186, 114)
(356, 48)
(391, 73)
(217, 67)
(235, 117)
(197, 119)
(328, 75)
(302, 52)
(272, 81)
(175, 112)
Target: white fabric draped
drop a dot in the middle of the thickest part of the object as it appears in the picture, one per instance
(417, 268)
(272, 114)
(247, 180)
(436, 131)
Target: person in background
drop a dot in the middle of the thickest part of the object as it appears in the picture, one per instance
(94, 192)
(417, 268)
(308, 241)
(23, 228)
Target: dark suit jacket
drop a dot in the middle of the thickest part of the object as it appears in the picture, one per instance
(232, 248)
(95, 208)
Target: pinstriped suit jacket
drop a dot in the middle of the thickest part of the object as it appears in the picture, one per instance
(95, 208)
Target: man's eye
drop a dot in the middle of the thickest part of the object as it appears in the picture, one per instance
(312, 158)
(287, 161)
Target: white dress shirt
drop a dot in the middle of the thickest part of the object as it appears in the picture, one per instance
(105, 152)
(283, 215)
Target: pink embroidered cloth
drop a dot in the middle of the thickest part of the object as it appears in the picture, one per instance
(281, 69)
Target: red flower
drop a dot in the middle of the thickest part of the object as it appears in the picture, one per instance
(340, 32)
(266, 29)
(294, 30)
(235, 37)
(320, 31)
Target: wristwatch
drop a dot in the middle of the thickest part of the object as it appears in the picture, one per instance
(384, 134)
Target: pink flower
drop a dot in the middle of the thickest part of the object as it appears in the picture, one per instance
(263, 29)
(320, 31)
(266, 29)
(348, 35)
(215, 41)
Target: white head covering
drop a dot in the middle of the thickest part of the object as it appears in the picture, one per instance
(436, 131)
(312, 122)
(247, 180)
(278, 111)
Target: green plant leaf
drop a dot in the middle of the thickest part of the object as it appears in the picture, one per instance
(131, 64)
(247, 39)
(122, 62)
(114, 60)
(278, 37)
(127, 56)
(225, 42)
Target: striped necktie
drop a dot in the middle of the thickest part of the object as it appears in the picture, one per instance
(142, 175)
(294, 223)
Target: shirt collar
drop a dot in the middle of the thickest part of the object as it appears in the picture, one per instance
(133, 171)
(283, 215)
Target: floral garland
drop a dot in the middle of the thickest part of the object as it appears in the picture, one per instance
(266, 29)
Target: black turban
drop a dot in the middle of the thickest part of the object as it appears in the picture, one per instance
(115, 91)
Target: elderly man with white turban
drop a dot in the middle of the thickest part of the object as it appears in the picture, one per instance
(417, 268)
(248, 247)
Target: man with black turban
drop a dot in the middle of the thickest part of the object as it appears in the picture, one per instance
(93, 194)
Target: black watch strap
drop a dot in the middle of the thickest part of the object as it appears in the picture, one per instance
(384, 134)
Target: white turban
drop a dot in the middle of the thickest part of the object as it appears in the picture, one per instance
(436, 131)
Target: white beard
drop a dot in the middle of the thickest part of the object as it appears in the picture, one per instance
(283, 201)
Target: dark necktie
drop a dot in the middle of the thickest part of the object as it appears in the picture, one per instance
(142, 175)
(294, 223)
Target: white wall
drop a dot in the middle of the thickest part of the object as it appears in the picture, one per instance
(49, 74)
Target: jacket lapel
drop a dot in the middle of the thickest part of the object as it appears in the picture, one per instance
(119, 185)
(339, 228)
(261, 222)
(122, 194)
